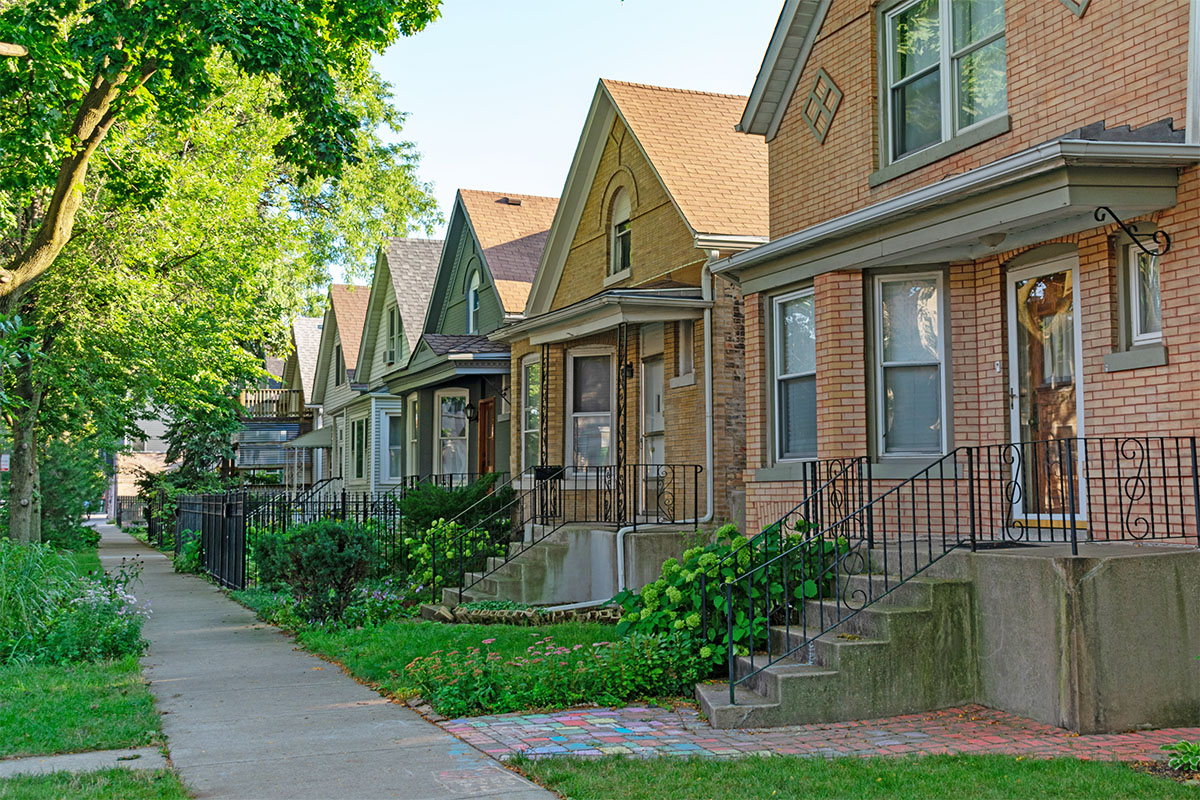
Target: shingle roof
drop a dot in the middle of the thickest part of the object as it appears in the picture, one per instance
(717, 175)
(413, 265)
(350, 312)
(512, 230)
(445, 343)
(306, 335)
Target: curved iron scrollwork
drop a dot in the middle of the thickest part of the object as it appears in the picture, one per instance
(1012, 457)
(1134, 488)
(1161, 239)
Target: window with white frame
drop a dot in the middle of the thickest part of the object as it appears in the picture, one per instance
(531, 412)
(909, 364)
(339, 369)
(1145, 301)
(339, 447)
(414, 453)
(796, 376)
(395, 447)
(621, 235)
(393, 335)
(450, 408)
(945, 70)
(685, 347)
(358, 445)
(473, 303)
(590, 425)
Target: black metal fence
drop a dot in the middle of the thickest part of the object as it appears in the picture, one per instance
(854, 539)
(129, 510)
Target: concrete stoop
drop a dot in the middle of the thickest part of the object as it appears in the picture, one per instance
(909, 651)
(532, 574)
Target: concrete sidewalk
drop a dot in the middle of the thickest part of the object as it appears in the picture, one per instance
(247, 715)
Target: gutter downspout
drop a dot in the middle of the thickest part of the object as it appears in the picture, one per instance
(706, 288)
(1192, 116)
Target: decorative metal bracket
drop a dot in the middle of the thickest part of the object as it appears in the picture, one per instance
(1161, 239)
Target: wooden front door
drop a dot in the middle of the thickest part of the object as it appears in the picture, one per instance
(487, 435)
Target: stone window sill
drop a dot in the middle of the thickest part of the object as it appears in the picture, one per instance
(617, 277)
(1140, 357)
(683, 380)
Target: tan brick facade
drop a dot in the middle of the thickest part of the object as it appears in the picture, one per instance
(1064, 72)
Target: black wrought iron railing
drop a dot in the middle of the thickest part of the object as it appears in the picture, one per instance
(549, 498)
(1065, 491)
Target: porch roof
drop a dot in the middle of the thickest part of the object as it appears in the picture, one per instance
(605, 311)
(1032, 196)
(321, 437)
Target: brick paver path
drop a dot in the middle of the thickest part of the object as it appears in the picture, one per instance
(654, 731)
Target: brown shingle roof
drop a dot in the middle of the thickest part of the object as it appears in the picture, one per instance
(717, 175)
(350, 312)
(306, 335)
(512, 236)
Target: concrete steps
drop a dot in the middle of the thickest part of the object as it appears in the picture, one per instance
(883, 647)
(521, 578)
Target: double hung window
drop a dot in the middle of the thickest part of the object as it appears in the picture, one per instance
(395, 447)
(413, 459)
(796, 376)
(1145, 302)
(473, 303)
(909, 364)
(945, 70)
(393, 335)
(531, 412)
(339, 369)
(621, 251)
(591, 419)
(452, 432)
(685, 345)
(358, 445)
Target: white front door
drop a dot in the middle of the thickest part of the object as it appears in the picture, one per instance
(1046, 392)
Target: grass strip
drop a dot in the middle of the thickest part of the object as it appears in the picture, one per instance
(76, 707)
(109, 784)
(979, 777)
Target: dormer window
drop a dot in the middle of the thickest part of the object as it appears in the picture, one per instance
(621, 259)
(473, 303)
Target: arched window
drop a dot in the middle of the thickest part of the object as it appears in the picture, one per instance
(621, 210)
(473, 303)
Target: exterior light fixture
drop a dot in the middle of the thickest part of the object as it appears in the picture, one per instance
(471, 412)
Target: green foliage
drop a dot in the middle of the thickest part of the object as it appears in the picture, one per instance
(188, 558)
(1185, 755)
(75, 536)
(16, 346)
(48, 614)
(323, 562)
(277, 607)
(433, 555)
(478, 681)
(673, 603)
(494, 605)
(127, 784)
(73, 477)
(380, 602)
(426, 503)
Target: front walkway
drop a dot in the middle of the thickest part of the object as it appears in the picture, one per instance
(643, 731)
(248, 716)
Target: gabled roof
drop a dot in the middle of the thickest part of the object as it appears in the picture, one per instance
(350, 312)
(306, 339)
(411, 266)
(716, 177)
(797, 29)
(511, 230)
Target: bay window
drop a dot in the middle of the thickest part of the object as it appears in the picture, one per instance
(590, 418)
(909, 364)
(795, 376)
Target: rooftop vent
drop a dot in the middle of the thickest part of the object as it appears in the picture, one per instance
(512, 201)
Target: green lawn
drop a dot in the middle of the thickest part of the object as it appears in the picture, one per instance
(111, 784)
(66, 709)
(912, 778)
(85, 561)
(379, 654)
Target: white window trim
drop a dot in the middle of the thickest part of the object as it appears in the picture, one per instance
(1136, 336)
(388, 416)
(569, 422)
(878, 365)
(339, 374)
(412, 454)
(527, 362)
(356, 439)
(474, 282)
(949, 107)
(777, 377)
(614, 274)
(437, 428)
(690, 325)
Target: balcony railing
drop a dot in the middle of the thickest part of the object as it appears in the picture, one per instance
(272, 404)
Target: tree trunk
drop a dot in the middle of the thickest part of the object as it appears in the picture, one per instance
(24, 503)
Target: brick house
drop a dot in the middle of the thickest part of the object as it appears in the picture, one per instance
(977, 314)
(627, 367)
(455, 422)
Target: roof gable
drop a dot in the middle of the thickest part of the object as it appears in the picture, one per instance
(306, 345)
(332, 334)
(405, 270)
(797, 29)
(349, 304)
(716, 178)
(511, 230)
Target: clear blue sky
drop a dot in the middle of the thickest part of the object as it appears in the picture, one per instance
(497, 90)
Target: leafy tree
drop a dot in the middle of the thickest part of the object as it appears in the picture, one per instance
(92, 64)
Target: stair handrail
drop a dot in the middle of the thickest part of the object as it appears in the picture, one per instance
(820, 537)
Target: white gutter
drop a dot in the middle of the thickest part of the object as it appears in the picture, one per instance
(1025, 164)
(706, 283)
(1192, 117)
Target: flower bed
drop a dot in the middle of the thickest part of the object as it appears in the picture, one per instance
(533, 616)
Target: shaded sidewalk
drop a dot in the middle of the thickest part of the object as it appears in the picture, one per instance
(642, 731)
(247, 715)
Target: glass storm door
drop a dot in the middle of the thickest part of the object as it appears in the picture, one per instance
(1046, 399)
